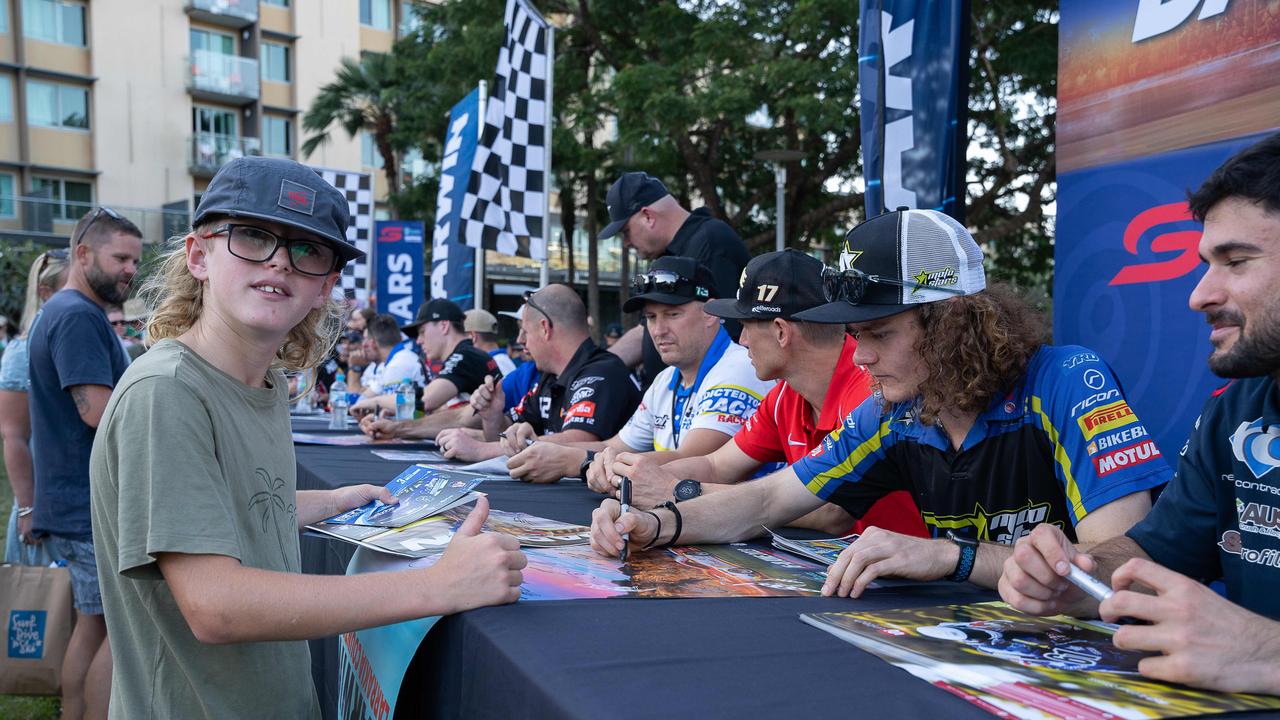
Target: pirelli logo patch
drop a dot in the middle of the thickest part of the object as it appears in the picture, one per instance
(1106, 418)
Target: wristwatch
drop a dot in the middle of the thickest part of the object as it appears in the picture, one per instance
(687, 490)
(586, 463)
(968, 553)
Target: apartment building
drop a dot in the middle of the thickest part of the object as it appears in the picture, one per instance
(135, 104)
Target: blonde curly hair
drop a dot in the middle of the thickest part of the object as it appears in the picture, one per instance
(176, 299)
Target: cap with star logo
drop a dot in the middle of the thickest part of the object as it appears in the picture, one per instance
(909, 258)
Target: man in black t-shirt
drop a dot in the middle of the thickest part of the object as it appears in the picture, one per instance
(649, 219)
(583, 393)
(1219, 519)
(438, 331)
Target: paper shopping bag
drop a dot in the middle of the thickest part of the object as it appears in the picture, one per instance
(35, 603)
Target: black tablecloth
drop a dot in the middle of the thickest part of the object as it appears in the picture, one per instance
(717, 657)
(631, 658)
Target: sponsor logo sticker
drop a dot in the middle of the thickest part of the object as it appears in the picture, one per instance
(1106, 418)
(1122, 458)
(1094, 379)
(1256, 447)
(583, 410)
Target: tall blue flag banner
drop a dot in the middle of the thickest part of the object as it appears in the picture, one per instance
(399, 253)
(1143, 90)
(452, 261)
(913, 82)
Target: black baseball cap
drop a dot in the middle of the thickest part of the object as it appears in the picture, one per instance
(282, 191)
(437, 309)
(671, 280)
(627, 195)
(774, 285)
(613, 330)
(906, 258)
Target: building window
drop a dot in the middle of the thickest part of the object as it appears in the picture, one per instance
(8, 206)
(4, 17)
(56, 21)
(376, 14)
(275, 62)
(369, 155)
(71, 199)
(6, 99)
(57, 105)
(277, 3)
(212, 41)
(277, 132)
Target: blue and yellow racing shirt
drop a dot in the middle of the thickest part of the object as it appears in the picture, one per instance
(1059, 446)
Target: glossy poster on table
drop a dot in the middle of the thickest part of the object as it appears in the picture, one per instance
(739, 570)
(1017, 665)
(373, 662)
(1152, 97)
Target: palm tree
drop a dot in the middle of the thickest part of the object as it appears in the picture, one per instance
(361, 99)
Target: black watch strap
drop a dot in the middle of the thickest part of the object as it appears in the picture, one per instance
(582, 467)
(968, 556)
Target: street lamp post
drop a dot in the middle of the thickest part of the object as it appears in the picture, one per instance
(780, 158)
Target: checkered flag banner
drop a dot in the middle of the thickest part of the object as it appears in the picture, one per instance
(358, 187)
(505, 205)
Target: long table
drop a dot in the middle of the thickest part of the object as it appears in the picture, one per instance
(631, 658)
(717, 657)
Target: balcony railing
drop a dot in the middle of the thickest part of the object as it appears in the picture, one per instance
(210, 151)
(234, 13)
(51, 221)
(222, 75)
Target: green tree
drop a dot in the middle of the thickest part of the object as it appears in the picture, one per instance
(667, 87)
(364, 97)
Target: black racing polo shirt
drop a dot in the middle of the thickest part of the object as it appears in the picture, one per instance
(595, 393)
(1220, 516)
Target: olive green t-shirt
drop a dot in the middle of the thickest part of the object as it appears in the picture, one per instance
(188, 459)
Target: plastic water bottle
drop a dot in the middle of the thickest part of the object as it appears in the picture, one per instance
(404, 400)
(338, 403)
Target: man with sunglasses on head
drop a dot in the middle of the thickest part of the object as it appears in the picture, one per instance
(76, 360)
(582, 394)
(820, 385)
(992, 431)
(694, 406)
(649, 219)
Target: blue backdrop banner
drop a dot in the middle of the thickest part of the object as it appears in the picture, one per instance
(1143, 90)
(913, 77)
(452, 262)
(398, 251)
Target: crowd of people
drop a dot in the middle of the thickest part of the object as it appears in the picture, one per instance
(898, 395)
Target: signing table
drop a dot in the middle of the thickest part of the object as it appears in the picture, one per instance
(629, 657)
(709, 657)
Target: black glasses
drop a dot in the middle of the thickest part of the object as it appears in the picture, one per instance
(97, 213)
(118, 323)
(247, 242)
(528, 300)
(851, 285)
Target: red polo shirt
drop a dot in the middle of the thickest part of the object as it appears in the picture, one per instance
(782, 430)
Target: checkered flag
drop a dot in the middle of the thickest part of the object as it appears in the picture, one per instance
(505, 205)
(358, 188)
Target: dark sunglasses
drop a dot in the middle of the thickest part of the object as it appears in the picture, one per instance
(528, 300)
(851, 285)
(97, 213)
(664, 281)
(251, 243)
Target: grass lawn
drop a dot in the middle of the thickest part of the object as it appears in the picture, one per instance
(20, 707)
